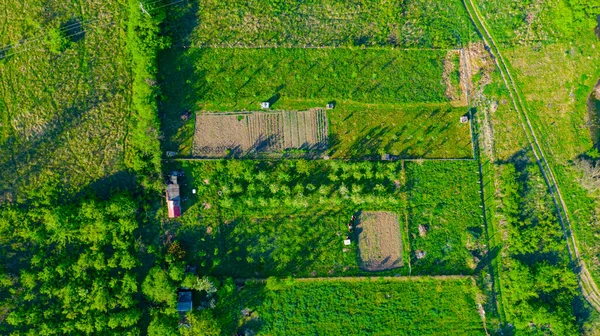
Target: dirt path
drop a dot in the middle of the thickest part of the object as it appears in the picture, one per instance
(587, 284)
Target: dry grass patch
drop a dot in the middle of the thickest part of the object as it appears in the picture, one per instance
(379, 240)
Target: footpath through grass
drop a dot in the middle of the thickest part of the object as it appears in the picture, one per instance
(383, 307)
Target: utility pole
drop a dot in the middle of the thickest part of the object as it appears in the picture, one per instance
(143, 9)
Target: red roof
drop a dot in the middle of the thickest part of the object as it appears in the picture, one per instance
(174, 210)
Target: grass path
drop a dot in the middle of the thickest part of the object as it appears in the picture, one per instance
(587, 284)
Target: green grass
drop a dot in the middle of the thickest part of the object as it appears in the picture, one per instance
(417, 307)
(387, 101)
(521, 22)
(63, 113)
(407, 131)
(236, 79)
(293, 23)
(555, 78)
(258, 219)
(444, 198)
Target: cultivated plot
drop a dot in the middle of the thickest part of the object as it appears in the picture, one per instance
(403, 103)
(262, 218)
(260, 133)
(379, 240)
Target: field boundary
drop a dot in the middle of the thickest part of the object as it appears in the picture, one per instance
(319, 159)
(312, 47)
(586, 283)
(403, 278)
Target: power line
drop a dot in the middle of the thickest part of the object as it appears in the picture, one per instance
(40, 40)
(65, 28)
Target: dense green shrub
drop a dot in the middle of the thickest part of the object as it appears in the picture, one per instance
(539, 288)
(70, 269)
(143, 146)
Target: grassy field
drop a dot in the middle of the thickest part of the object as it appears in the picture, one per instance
(401, 92)
(257, 219)
(444, 201)
(65, 87)
(226, 79)
(316, 23)
(553, 58)
(417, 307)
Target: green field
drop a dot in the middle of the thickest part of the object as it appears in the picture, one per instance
(387, 101)
(257, 219)
(236, 79)
(378, 307)
(444, 198)
(64, 103)
(316, 23)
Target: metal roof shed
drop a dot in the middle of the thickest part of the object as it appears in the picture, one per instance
(184, 301)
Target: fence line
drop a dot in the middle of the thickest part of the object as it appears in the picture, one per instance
(363, 278)
(312, 159)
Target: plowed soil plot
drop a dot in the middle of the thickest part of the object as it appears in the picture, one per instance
(219, 135)
(379, 240)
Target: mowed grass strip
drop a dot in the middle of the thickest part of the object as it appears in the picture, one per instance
(293, 23)
(408, 131)
(445, 217)
(421, 307)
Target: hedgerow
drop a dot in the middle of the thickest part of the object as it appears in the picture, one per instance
(143, 146)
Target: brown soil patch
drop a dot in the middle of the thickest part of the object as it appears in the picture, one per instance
(243, 134)
(379, 240)
(456, 92)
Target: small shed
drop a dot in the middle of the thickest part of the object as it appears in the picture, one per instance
(173, 197)
(330, 105)
(464, 119)
(184, 301)
(265, 105)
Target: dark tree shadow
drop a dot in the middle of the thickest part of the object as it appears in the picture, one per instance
(73, 30)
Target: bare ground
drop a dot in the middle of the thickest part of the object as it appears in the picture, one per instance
(379, 240)
(240, 134)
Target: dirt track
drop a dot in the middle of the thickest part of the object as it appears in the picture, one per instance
(587, 284)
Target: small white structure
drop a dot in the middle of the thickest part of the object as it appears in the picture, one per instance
(347, 242)
(194, 191)
(330, 106)
(265, 105)
(464, 119)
